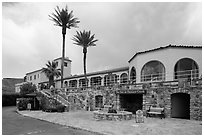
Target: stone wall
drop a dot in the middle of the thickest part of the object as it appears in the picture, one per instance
(159, 96)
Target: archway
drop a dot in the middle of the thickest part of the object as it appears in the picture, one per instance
(123, 78)
(133, 75)
(153, 71)
(180, 105)
(186, 68)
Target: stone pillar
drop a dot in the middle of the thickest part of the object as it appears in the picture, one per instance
(102, 80)
(144, 103)
(117, 101)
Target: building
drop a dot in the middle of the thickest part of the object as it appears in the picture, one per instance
(168, 77)
(37, 77)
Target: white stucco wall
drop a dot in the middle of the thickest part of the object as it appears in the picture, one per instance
(168, 57)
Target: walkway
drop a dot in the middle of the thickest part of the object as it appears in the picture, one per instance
(152, 126)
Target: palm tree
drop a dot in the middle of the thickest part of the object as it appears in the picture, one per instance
(85, 40)
(64, 19)
(51, 71)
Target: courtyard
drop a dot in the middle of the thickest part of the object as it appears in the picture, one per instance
(151, 126)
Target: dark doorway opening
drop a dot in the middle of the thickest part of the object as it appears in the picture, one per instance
(99, 101)
(131, 102)
(180, 105)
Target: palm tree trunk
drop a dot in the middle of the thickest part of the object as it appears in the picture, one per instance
(62, 61)
(85, 51)
(51, 81)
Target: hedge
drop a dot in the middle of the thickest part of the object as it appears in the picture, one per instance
(9, 99)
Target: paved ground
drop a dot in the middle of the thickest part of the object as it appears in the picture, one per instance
(151, 126)
(16, 124)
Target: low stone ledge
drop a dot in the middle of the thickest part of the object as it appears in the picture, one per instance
(121, 115)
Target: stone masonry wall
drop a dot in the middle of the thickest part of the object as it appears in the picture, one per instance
(161, 97)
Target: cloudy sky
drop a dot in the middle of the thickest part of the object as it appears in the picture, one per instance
(29, 38)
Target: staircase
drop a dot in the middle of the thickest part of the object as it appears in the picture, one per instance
(64, 100)
(57, 97)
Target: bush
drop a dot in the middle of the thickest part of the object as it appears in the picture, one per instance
(22, 103)
(9, 99)
(51, 105)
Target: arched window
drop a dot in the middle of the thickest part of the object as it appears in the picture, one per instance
(65, 83)
(133, 75)
(110, 79)
(123, 78)
(82, 83)
(186, 68)
(73, 83)
(153, 71)
(95, 81)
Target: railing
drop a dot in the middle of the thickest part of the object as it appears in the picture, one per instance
(159, 77)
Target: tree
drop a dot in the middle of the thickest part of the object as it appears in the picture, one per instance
(51, 71)
(64, 19)
(27, 88)
(85, 40)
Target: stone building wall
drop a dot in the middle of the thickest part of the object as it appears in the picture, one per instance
(159, 96)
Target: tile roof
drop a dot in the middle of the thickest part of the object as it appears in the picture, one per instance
(160, 48)
(33, 71)
(100, 72)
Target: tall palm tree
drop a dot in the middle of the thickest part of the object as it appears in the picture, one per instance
(51, 71)
(85, 40)
(64, 19)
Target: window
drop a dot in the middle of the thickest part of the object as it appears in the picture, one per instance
(65, 64)
(95, 81)
(123, 78)
(133, 75)
(153, 71)
(56, 63)
(186, 68)
(73, 83)
(34, 76)
(30, 78)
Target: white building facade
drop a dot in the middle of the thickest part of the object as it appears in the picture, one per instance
(160, 64)
(168, 59)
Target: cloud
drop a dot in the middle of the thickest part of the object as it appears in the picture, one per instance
(29, 38)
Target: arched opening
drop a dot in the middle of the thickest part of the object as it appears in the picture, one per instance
(123, 78)
(186, 68)
(73, 83)
(82, 83)
(95, 81)
(110, 79)
(153, 71)
(180, 105)
(98, 101)
(133, 75)
(65, 83)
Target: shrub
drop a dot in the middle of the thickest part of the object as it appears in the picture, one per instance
(22, 103)
(51, 105)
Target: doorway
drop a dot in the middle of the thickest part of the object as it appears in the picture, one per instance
(131, 102)
(180, 105)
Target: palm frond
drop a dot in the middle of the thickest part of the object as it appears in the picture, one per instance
(84, 38)
(64, 18)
